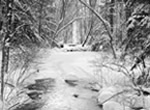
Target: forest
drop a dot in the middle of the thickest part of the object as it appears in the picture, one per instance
(74, 54)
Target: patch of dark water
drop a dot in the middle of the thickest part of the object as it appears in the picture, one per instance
(36, 93)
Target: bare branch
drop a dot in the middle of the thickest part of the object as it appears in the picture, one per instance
(8, 84)
(65, 26)
(105, 23)
(61, 20)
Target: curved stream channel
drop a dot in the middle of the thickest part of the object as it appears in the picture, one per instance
(63, 83)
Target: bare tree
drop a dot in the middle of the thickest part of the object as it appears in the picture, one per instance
(61, 19)
(106, 25)
(40, 16)
(6, 46)
(91, 22)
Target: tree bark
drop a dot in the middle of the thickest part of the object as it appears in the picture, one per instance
(40, 17)
(112, 15)
(5, 46)
(1, 16)
(62, 16)
(88, 34)
(92, 4)
(74, 32)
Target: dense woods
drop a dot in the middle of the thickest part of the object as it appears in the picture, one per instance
(119, 27)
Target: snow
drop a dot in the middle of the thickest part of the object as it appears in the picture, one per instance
(62, 65)
(86, 69)
(106, 93)
(111, 105)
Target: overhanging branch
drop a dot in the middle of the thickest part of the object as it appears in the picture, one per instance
(104, 22)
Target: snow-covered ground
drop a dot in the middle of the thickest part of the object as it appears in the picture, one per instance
(79, 77)
(63, 66)
(85, 70)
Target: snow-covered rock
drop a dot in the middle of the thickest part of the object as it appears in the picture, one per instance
(106, 93)
(108, 89)
(134, 101)
(126, 99)
(138, 101)
(112, 105)
(147, 102)
(105, 96)
(1, 104)
(141, 101)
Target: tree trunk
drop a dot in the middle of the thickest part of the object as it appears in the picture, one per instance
(75, 32)
(5, 46)
(88, 34)
(76, 28)
(1, 21)
(92, 4)
(40, 17)
(61, 19)
(112, 15)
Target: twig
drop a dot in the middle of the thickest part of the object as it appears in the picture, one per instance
(10, 85)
